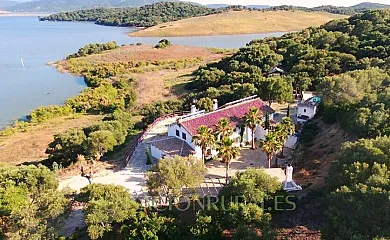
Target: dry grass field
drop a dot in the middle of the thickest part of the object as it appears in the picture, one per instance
(149, 53)
(239, 22)
(154, 82)
(30, 146)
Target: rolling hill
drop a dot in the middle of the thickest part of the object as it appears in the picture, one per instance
(370, 5)
(248, 22)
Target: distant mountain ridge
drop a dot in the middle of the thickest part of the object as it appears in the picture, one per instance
(370, 5)
(71, 5)
(6, 4)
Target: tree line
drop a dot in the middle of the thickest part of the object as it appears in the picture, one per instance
(31, 207)
(352, 10)
(145, 16)
(151, 15)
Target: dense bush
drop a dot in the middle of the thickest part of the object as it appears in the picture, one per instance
(42, 114)
(93, 48)
(163, 43)
(308, 133)
(30, 205)
(359, 191)
(106, 205)
(152, 111)
(67, 146)
(93, 141)
(105, 99)
(359, 100)
(240, 206)
(172, 174)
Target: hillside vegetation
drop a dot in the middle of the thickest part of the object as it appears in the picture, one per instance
(308, 57)
(150, 15)
(145, 16)
(355, 9)
(348, 62)
(248, 22)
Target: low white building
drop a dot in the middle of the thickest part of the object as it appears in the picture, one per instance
(186, 126)
(307, 109)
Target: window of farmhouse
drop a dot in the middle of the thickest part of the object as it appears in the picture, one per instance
(184, 136)
(178, 133)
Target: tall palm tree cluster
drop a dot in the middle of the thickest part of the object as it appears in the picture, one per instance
(276, 138)
(220, 140)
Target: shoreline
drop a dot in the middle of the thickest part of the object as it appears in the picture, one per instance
(22, 14)
(207, 35)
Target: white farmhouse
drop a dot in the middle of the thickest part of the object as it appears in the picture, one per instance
(179, 139)
(307, 109)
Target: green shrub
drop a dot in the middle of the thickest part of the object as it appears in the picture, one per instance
(43, 114)
(163, 43)
(154, 110)
(93, 48)
(308, 133)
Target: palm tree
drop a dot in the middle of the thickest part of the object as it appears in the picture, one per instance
(251, 120)
(267, 122)
(283, 130)
(204, 139)
(227, 151)
(271, 145)
(223, 128)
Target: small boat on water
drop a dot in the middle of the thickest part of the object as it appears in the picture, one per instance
(21, 60)
(47, 93)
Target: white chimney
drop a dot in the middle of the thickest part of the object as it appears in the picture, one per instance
(193, 108)
(215, 104)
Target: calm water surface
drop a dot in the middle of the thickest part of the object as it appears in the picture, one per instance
(37, 84)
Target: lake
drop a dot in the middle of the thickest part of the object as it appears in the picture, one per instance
(35, 43)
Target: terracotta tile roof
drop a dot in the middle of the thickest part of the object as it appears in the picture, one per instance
(233, 113)
(173, 146)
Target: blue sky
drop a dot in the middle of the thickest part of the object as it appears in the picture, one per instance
(306, 3)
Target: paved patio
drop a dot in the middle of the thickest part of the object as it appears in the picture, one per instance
(248, 158)
(132, 176)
